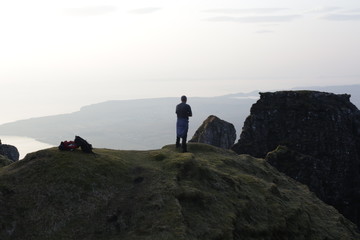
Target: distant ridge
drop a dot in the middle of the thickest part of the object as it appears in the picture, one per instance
(129, 124)
(353, 90)
(143, 123)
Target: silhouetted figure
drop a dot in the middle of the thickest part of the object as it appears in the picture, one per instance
(183, 112)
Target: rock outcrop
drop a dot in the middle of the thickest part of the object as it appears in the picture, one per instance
(216, 132)
(9, 151)
(322, 134)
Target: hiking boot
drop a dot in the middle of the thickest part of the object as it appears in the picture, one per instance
(184, 148)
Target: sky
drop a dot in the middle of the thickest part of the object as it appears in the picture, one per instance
(57, 56)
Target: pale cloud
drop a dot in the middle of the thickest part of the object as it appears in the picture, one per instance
(89, 10)
(245, 10)
(255, 19)
(342, 17)
(145, 10)
(264, 31)
(355, 10)
(337, 13)
(323, 9)
(251, 15)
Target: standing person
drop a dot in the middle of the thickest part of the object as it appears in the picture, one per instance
(183, 112)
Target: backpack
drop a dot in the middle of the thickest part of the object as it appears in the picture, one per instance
(85, 146)
(68, 145)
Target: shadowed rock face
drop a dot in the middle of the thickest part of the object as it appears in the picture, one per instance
(297, 166)
(323, 126)
(216, 132)
(9, 151)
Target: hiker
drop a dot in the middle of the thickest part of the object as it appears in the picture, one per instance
(183, 112)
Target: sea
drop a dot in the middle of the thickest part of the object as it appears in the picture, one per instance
(24, 145)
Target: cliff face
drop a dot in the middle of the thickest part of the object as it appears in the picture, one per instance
(323, 126)
(209, 193)
(216, 132)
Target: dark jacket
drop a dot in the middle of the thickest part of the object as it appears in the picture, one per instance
(183, 110)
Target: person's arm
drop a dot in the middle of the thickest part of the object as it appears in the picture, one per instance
(189, 112)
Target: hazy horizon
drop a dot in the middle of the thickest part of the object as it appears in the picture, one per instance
(116, 124)
(76, 108)
(59, 56)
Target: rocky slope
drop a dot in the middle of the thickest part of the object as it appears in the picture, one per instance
(216, 132)
(321, 131)
(4, 161)
(208, 193)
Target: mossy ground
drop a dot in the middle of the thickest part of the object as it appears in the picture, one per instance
(4, 161)
(207, 193)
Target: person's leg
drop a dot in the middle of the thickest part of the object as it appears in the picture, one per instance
(179, 131)
(182, 127)
(184, 146)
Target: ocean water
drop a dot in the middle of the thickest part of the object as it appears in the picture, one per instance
(24, 145)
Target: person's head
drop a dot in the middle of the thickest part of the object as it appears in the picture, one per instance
(183, 98)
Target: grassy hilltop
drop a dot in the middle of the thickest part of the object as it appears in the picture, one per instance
(208, 193)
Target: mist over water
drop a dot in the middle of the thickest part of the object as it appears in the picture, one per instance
(24, 145)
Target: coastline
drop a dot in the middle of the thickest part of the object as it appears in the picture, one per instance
(24, 145)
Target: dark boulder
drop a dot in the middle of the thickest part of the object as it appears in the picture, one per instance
(9, 151)
(322, 133)
(216, 132)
